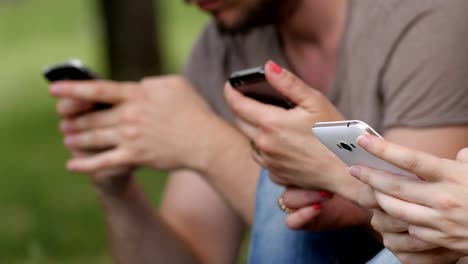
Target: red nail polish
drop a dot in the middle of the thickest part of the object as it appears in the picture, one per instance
(325, 194)
(317, 206)
(275, 67)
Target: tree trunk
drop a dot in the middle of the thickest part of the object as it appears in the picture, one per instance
(132, 45)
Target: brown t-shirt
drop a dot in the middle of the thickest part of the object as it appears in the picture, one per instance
(402, 63)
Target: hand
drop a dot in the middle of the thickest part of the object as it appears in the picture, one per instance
(109, 179)
(435, 205)
(283, 139)
(318, 210)
(155, 123)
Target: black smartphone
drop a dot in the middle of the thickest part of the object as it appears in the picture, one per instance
(69, 70)
(252, 83)
(72, 70)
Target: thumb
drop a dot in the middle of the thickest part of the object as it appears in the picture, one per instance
(291, 86)
(462, 156)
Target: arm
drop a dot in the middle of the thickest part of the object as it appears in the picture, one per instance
(193, 225)
(163, 124)
(137, 233)
(214, 150)
(200, 215)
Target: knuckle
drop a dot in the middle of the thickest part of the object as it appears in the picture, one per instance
(130, 115)
(411, 163)
(264, 144)
(376, 224)
(400, 214)
(394, 188)
(449, 227)
(388, 243)
(411, 244)
(447, 202)
(290, 80)
(268, 121)
(131, 133)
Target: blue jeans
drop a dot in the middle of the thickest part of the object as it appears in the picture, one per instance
(272, 242)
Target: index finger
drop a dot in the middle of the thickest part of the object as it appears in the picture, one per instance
(94, 91)
(423, 165)
(246, 108)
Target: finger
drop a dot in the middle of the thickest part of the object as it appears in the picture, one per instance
(67, 107)
(366, 198)
(104, 160)
(404, 188)
(462, 155)
(257, 155)
(93, 91)
(438, 237)
(303, 216)
(425, 166)
(403, 242)
(410, 212)
(298, 198)
(291, 86)
(249, 109)
(385, 223)
(95, 139)
(248, 129)
(92, 120)
(433, 256)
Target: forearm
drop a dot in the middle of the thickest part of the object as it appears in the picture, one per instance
(136, 232)
(230, 168)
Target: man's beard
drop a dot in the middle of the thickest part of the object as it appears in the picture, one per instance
(263, 13)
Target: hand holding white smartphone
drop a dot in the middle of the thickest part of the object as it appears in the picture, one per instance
(341, 138)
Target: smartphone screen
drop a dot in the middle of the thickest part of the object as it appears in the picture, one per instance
(252, 83)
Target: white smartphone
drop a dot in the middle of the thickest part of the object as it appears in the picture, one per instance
(340, 137)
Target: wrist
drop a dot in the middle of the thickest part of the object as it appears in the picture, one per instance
(346, 185)
(113, 185)
(219, 140)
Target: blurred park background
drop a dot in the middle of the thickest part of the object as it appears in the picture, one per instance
(46, 214)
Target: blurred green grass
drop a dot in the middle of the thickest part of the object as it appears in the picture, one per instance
(47, 214)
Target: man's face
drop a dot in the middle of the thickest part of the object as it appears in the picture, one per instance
(238, 15)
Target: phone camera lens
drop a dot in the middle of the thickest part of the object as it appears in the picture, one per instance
(346, 146)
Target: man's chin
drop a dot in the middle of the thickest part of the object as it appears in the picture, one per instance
(233, 25)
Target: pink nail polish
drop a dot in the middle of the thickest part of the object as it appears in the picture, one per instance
(317, 206)
(274, 67)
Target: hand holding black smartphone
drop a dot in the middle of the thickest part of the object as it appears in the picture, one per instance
(252, 83)
(72, 70)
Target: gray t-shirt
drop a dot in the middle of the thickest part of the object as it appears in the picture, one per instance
(402, 63)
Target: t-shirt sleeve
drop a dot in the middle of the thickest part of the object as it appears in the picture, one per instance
(198, 68)
(425, 82)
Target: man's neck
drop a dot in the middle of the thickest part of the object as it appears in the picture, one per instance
(320, 23)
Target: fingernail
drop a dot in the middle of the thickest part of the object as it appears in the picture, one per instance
(317, 206)
(363, 141)
(355, 171)
(71, 165)
(55, 88)
(275, 68)
(325, 195)
(70, 140)
(65, 126)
